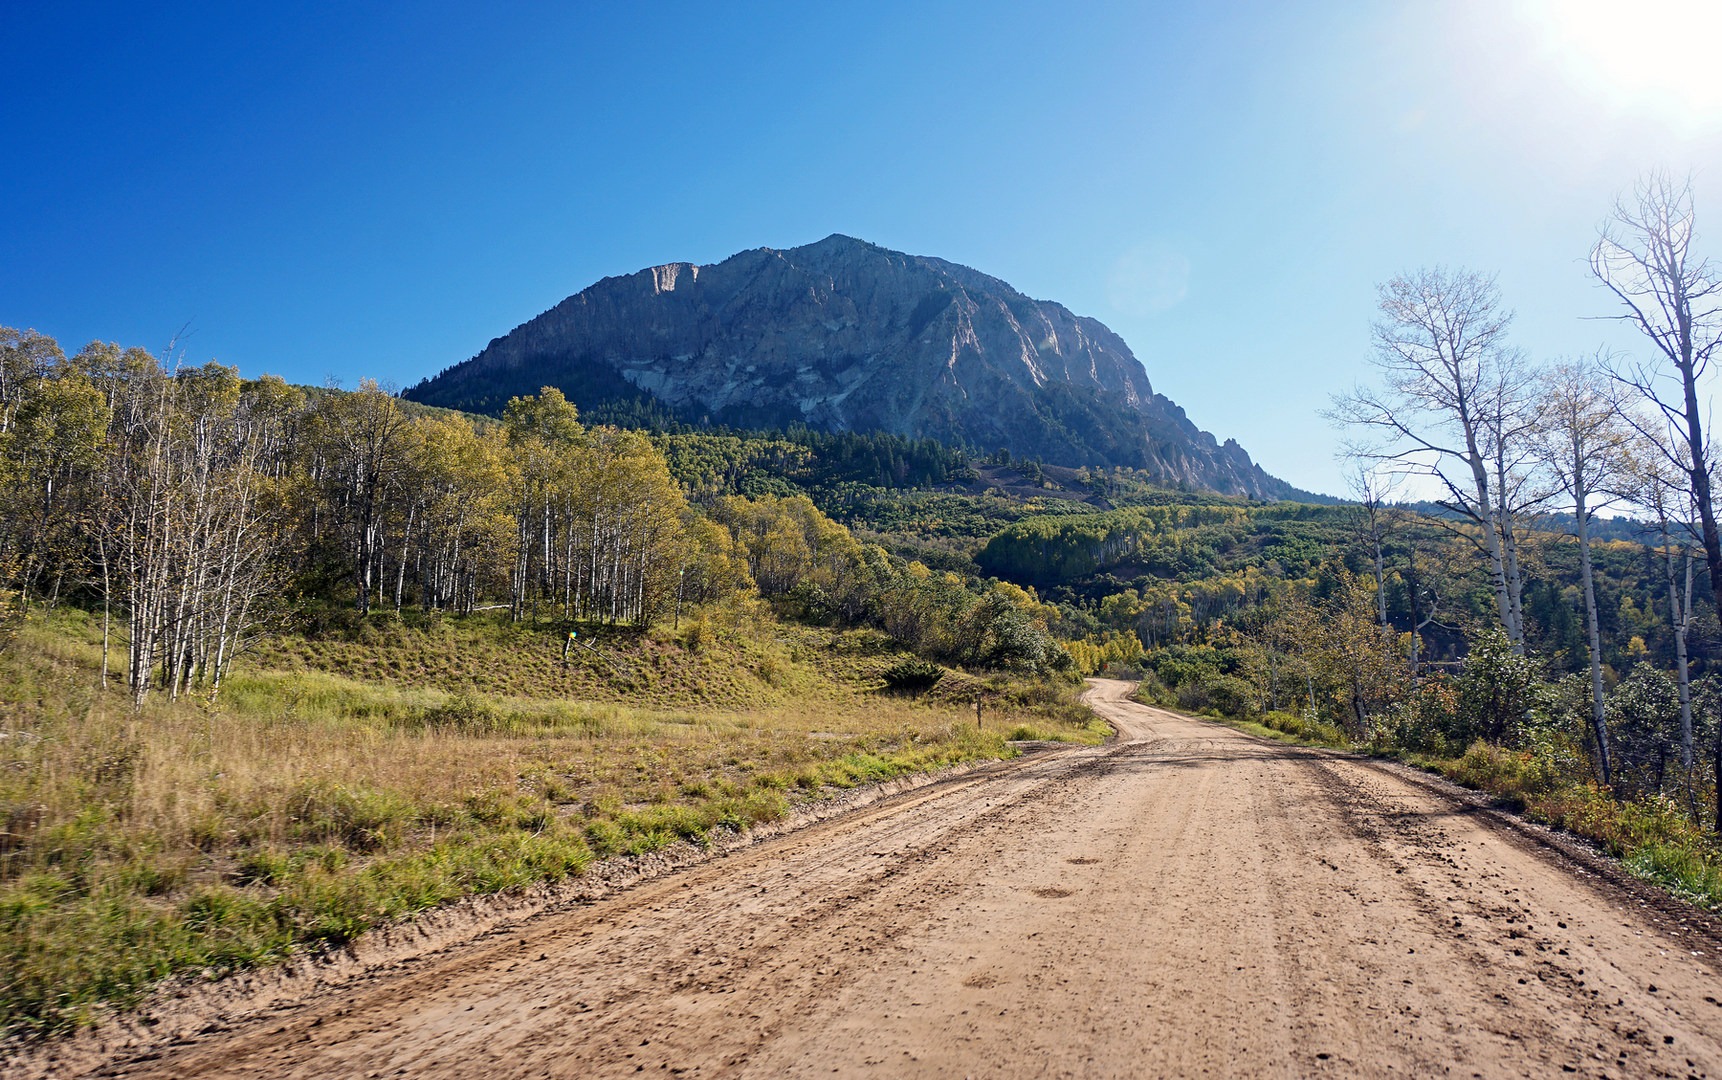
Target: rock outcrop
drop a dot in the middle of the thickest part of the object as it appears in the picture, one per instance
(843, 335)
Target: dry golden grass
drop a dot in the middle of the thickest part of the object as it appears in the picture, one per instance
(304, 806)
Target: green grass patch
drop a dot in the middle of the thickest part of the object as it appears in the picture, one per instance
(1286, 727)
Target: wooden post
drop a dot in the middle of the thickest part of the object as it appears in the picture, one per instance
(681, 578)
(977, 712)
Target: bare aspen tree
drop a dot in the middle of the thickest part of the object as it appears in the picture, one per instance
(1674, 299)
(1643, 256)
(1440, 347)
(184, 525)
(1581, 445)
(1670, 507)
(1510, 423)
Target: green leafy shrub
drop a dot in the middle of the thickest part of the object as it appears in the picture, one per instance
(913, 676)
(1511, 776)
(1231, 695)
(1644, 729)
(1500, 692)
(1305, 725)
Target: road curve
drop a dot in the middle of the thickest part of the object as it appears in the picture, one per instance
(1185, 901)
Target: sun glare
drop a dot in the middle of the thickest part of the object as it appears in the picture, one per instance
(1655, 55)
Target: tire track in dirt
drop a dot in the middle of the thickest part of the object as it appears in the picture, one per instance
(1187, 900)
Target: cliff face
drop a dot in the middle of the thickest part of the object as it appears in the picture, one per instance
(843, 335)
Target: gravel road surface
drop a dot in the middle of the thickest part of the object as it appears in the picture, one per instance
(1185, 901)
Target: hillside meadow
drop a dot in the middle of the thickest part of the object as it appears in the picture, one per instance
(383, 768)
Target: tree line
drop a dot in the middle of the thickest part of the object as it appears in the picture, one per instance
(1504, 440)
(199, 512)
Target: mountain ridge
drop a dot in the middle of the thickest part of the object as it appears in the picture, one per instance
(845, 335)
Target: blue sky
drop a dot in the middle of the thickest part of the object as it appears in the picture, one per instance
(377, 190)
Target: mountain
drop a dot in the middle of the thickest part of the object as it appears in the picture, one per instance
(843, 335)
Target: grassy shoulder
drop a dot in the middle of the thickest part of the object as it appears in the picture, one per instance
(1652, 838)
(345, 780)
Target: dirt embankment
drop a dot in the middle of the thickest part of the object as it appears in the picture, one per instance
(1187, 900)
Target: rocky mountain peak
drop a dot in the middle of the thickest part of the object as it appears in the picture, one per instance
(844, 335)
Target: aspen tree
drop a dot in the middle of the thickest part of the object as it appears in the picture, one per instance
(1581, 444)
(1443, 413)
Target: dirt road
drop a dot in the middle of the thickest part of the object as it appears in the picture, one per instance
(1187, 901)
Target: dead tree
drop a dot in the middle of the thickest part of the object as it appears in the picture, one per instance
(1644, 257)
(1441, 349)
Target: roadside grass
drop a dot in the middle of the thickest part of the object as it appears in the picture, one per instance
(1653, 839)
(1286, 727)
(311, 802)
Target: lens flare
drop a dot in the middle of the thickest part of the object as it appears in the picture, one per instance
(1654, 56)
